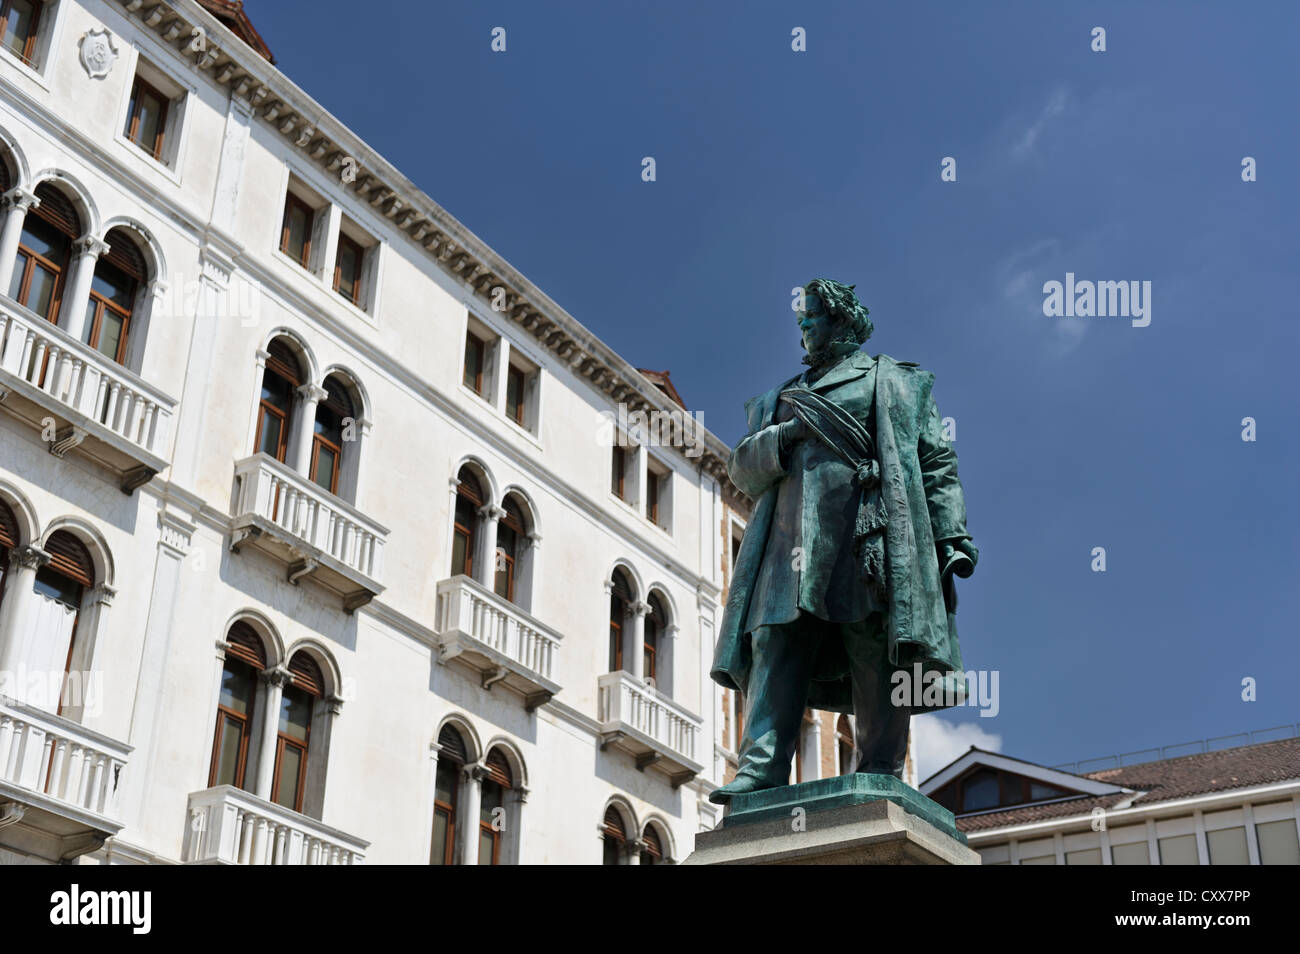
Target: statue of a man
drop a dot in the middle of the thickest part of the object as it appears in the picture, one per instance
(845, 572)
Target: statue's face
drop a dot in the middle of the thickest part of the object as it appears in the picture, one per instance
(815, 323)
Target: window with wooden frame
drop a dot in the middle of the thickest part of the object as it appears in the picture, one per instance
(333, 415)
(245, 661)
(118, 276)
(618, 473)
(738, 714)
(65, 579)
(20, 23)
(469, 498)
(653, 480)
(348, 261)
(615, 837)
(297, 704)
(280, 382)
(146, 117)
(653, 851)
(475, 359)
(620, 600)
(656, 621)
(492, 801)
(516, 388)
(295, 229)
(510, 540)
(9, 539)
(844, 743)
(446, 795)
(45, 252)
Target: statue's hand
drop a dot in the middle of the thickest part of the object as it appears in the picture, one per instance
(962, 568)
(791, 432)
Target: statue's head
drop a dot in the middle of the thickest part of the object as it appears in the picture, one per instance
(833, 322)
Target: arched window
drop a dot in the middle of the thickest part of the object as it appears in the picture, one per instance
(9, 538)
(492, 808)
(44, 252)
(119, 274)
(615, 837)
(653, 851)
(844, 742)
(620, 599)
(280, 381)
(656, 622)
(333, 414)
(61, 585)
(446, 795)
(469, 497)
(245, 660)
(297, 704)
(510, 542)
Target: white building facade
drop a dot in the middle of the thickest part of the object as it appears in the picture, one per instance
(313, 546)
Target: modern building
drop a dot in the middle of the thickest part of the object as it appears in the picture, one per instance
(326, 535)
(1216, 806)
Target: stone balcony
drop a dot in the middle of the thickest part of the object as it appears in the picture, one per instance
(497, 639)
(314, 533)
(228, 826)
(649, 726)
(58, 784)
(99, 408)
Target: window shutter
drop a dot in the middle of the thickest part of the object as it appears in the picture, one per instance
(243, 644)
(498, 768)
(653, 846)
(57, 210)
(452, 745)
(283, 360)
(468, 487)
(336, 397)
(306, 674)
(8, 527)
(124, 255)
(614, 824)
(69, 556)
(4, 177)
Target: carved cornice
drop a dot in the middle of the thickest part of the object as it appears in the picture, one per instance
(337, 151)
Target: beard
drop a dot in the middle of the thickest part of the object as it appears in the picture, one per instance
(840, 346)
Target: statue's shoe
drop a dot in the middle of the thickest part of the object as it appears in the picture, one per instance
(739, 785)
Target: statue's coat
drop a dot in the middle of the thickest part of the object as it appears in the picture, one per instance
(924, 503)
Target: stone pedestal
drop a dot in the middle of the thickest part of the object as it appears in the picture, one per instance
(849, 820)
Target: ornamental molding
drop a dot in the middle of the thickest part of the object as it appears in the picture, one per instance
(98, 52)
(338, 152)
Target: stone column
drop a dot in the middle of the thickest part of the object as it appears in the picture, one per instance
(13, 205)
(309, 395)
(485, 560)
(14, 609)
(632, 850)
(667, 664)
(72, 310)
(636, 616)
(516, 798)
(275, 678)
(434, 751)
(473, 780)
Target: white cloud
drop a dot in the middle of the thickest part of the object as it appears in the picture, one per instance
(1055, 107)
(935, 742)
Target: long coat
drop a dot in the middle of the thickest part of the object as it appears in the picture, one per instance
(924, 505)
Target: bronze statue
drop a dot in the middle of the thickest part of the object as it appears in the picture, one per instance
(845, 572)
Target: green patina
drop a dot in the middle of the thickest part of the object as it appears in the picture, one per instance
(838, 792)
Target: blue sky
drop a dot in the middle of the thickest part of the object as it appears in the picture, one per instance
(775, 167)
